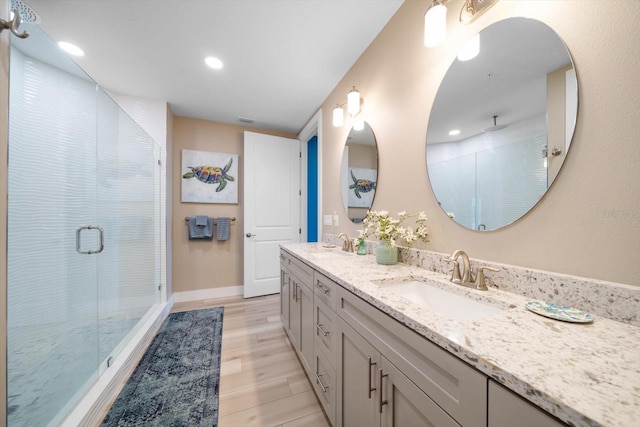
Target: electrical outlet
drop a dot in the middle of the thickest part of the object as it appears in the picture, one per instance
(326, 220)
(335, 220)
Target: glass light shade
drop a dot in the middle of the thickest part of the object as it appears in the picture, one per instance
(435, 25)
(471, 49)
(338, 116)
(358, 125)
(353, 102)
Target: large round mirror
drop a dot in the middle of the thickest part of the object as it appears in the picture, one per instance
(501, 124)
(359, 172)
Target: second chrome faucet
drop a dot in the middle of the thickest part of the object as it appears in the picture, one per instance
(466, 277)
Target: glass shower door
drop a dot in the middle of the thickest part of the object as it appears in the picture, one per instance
(128, 203)
(52, 286)
(83, 232)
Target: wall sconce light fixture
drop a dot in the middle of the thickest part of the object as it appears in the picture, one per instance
(435, 24)
(354, 101)
(435, 20)
(338, 116)
(473, 9)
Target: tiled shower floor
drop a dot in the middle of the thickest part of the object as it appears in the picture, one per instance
(47, 364)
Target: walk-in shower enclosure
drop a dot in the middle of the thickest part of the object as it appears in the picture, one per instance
(83, 231)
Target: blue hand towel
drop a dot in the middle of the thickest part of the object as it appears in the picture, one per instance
(224, 224)
(200, 232)
(201, 220)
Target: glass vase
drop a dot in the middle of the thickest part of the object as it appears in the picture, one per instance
(386, 253)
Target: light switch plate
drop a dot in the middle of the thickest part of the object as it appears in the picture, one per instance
(326, 220)
(335, 220)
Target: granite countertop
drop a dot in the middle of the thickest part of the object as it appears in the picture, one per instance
(584, 374)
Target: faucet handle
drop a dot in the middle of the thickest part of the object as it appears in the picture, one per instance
(455, 274)
(480, 279)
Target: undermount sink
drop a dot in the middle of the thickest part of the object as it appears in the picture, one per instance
(327, 252)
(444, 303)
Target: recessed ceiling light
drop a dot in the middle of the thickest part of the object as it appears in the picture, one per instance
(71, 49)
(454, 132)
(213, 62)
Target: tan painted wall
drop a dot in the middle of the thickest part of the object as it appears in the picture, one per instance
(4, 147)
(207, 264)
(589, 222)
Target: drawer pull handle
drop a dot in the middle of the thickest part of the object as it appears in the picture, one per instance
(380, 401)
(323, 288)
(319, 382)
(371, 364)
(322, 331)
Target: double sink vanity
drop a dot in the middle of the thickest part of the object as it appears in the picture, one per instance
(402, 346)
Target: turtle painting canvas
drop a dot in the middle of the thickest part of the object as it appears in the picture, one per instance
(362, 187)
(209, 177)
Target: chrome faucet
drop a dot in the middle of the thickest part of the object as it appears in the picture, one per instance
(347, 243)
(466, 277)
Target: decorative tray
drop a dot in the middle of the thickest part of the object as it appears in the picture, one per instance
(559, 312)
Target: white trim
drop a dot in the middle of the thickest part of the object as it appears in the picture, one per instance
(313, 127)
(94, 405)
(304, 171)
(212, 293)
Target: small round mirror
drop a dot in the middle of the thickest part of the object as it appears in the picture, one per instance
(359, 172)
(501, 124)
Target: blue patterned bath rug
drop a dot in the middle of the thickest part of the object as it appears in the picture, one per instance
(176, 382)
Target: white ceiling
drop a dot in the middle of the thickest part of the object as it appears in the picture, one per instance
(281, 58)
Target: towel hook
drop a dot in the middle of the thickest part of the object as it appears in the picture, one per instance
(13, 25)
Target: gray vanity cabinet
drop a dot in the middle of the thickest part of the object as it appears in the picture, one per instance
(324, 312)
(370, 370)
(373, 392)
(356, 372)
(285, 285)
(300, 308)
(452, 388)
(406, 405)
(507, 409)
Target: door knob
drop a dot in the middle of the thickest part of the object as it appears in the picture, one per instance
(250, 235)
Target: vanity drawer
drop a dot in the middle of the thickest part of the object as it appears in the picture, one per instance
(325, 289)
(296, 267)
(325, 330)
(453, 385)
(324, 383)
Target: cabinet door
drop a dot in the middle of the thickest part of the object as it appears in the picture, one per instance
(507, 409)
(403, 404)
(307, 326)
(357, 396)
(284, 299)
(294, 313)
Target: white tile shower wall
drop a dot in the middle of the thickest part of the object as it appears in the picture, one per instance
(615, 301)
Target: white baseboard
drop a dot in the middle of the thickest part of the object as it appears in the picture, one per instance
(212, 293)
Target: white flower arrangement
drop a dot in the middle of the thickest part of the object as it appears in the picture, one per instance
(386, 228)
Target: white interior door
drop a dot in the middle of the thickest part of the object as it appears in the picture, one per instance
(271, 208)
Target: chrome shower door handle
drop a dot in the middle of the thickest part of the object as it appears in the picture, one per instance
(89, 227)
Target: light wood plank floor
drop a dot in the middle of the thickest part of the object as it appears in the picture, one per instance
(262, 383)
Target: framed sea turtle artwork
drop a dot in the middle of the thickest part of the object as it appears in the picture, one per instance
(209, 177)
(362, 187)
